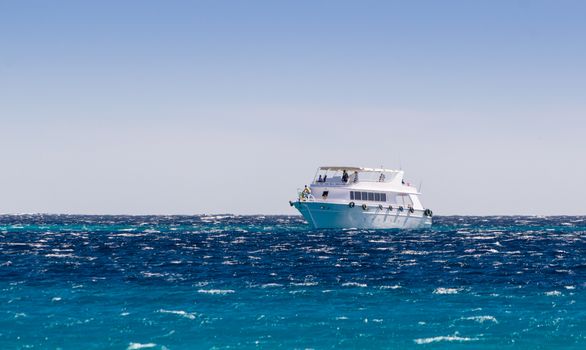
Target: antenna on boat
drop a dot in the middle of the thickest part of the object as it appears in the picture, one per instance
(420, 183)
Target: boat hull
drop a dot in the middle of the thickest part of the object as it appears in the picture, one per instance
(334, 215)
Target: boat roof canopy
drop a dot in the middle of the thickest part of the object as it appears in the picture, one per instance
(359, 169)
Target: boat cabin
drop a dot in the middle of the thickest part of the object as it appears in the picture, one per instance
(342, 176)
(338, 184)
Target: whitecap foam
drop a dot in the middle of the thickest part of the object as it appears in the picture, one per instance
(135, 346)
(448, 338)
(446, 291)
(553, 293)
(216, 291)
(60, 255)
(304, 284)
(152, 274)
(414, 252)
(354, 284)
(379, 241)
(391, 287)
(181, 313)
(128, 235)
(481, 238)
(300, 291)
(481, 319)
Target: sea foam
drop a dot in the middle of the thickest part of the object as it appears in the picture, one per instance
(447, 338)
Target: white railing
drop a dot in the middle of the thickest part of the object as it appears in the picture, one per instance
(338, 182)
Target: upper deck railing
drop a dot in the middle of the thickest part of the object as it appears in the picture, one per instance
(352, 175)
(337, 181)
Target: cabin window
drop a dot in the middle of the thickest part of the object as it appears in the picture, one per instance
(325, 194)
(368, 196)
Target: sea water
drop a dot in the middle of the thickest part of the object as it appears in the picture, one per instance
(231, 282)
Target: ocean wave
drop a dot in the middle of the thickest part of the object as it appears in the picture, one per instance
(304, 284)
(212, 275)
(181, 313)
(391, 287)
(447, 338)
(136, 346)
(446, 290)
(152, 274)
(481, 319)
(354, 284)
(414, 252)
(129, 235)
(216, 291)
(53, 255)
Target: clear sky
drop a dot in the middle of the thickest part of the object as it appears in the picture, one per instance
(185, 107)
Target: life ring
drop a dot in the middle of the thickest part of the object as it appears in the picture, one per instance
(380, 207)
(401, 208)
(364, 207)
(411, 210)
(390, 208)
(428, 212)
(351, 204)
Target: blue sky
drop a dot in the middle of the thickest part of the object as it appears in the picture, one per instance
(213, 106)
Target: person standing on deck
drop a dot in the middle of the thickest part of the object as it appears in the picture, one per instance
(306, 192)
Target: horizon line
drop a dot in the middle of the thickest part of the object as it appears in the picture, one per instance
(299, 215)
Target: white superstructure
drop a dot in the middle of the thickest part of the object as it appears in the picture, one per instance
(355, 197)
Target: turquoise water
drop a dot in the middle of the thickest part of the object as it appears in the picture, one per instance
(107, 282)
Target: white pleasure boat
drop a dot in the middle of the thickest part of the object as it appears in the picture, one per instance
(355, 197)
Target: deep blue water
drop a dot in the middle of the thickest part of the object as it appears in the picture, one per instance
(83, 282)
